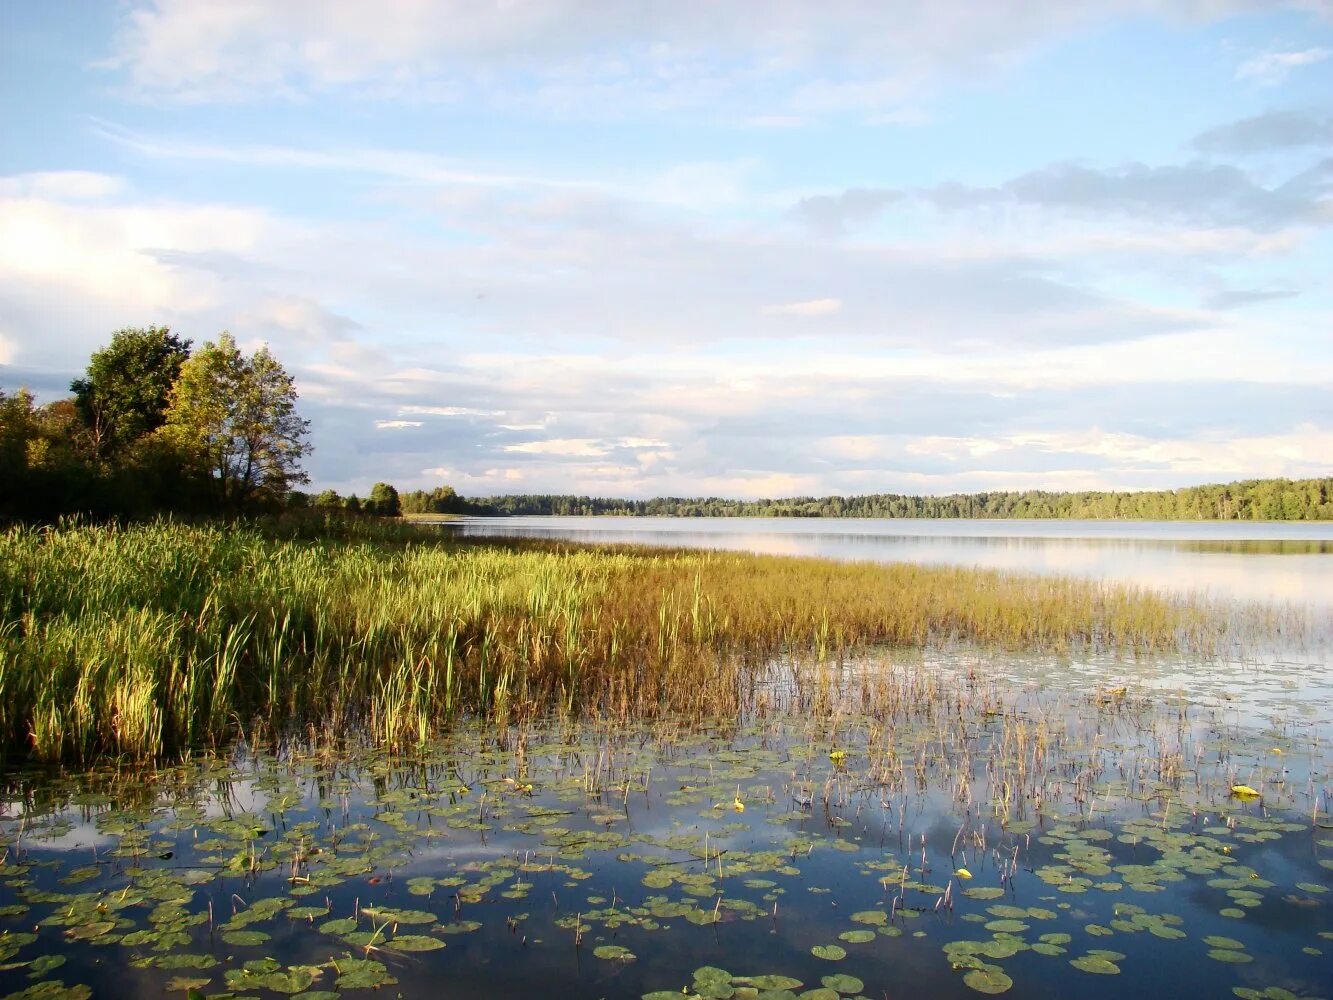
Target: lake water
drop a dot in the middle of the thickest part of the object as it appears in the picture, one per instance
(1250, 561)
(1040, 839)
(937, 822)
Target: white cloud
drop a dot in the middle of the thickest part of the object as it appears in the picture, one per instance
(570, 447)
(599, 59)
(62, 185)
(87, 268)
(1271, 68)
(393, 425)
(448, 411)
(810, 307)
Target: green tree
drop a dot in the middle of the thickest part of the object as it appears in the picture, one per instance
(18, 429)
(328, 498)
(234, 417)
(125, 392)
(383, 501)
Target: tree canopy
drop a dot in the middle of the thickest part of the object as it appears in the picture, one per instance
(151, 427)
(235, 416)
(124, 395)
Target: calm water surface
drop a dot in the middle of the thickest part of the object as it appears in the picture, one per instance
(1058, 838)
(945, 823)
(1251, 561)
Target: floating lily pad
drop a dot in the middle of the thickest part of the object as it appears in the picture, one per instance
(988, 980)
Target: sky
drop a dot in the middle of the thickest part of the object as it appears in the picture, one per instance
(743, 249)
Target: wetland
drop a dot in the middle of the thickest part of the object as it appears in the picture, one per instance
(258, 761)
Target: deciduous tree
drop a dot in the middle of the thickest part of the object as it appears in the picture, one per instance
(125, 393)
(235, 418)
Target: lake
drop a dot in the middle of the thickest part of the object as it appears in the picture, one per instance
(1251, 561)
(943, 832)
(947, 820)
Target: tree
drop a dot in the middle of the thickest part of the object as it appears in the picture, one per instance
(126, 391)
(235, 418)
(329, 498)
(383, 501)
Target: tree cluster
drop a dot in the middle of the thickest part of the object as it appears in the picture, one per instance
(382, 502)
(1257, 500)
(153, 426)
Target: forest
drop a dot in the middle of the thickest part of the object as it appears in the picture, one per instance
(154, 426)
(1251, 500)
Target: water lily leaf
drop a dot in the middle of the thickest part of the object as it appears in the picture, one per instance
(829, 952)
(415, 942)
(988, 980)
(176, 983)
(361, 973)
(244, 938)
(1095, 965)
(843, 983)
(769, 982)
(876, 918)
(857, 937)
(613, 953)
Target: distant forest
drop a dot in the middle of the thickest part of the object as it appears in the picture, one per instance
(1252, 500)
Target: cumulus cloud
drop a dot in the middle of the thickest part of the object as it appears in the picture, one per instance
(574, 56)
(1268, 69)
(1237, 297)
(832, 214)
(62, 185)
(810, 307)
(1273, 130)
(1200, 193)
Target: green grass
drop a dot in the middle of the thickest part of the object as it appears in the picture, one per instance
(154, 638)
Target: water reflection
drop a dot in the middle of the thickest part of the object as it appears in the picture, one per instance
(1265, 561)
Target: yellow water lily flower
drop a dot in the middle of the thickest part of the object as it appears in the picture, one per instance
(1244, 792)
(963, 873)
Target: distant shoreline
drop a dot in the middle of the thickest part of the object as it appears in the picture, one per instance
(1250, 500)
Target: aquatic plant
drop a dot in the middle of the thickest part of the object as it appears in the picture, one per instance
(145, 639)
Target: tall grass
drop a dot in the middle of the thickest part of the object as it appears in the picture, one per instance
(145, 639)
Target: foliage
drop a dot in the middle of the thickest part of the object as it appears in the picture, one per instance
(125, 392)
(383, 501)
(235, 417)
(143, 639)
(106, 452)
(1252, 500)
(441, 500)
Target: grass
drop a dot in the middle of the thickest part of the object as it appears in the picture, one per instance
(152, 638)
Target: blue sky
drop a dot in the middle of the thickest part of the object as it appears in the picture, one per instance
(694, 248)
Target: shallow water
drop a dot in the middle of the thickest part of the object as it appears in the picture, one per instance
(1089, 802)
(1252, 561)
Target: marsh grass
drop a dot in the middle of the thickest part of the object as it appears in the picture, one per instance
(146, 639)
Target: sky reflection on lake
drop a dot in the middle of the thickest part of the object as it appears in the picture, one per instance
(1250, 561)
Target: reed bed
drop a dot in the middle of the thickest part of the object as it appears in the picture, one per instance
(153, 638)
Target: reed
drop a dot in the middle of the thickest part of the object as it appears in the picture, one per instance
(152, 638)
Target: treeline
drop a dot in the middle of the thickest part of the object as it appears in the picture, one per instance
(1252, 500)
(155, 426)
